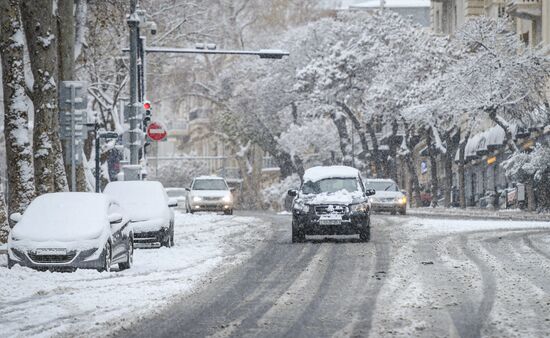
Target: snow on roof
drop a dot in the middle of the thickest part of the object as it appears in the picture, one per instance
(318, 173)
(494, 136)
(392, 4)
(208, 178)
(63, 216)
(368, 180)
(141, 199)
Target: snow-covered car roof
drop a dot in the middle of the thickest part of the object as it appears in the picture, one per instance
(368, 180)
(208, 178)
(319, 173)
(64, 216)
(141, 199)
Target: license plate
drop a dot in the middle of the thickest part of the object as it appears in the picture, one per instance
(330, 221)
(51, 251)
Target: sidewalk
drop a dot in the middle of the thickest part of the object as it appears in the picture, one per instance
(477, 213)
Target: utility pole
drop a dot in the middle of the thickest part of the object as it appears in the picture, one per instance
(133, 24)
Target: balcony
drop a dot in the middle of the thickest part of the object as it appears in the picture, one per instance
(524, 9)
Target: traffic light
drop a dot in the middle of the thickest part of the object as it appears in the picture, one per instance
(148, 114)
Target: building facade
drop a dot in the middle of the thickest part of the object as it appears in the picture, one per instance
(531, 18)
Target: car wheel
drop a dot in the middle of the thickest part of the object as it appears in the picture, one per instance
(403, 212)
(393, 212)
(168, 239)
(172, 237)
(129, 257)
(364, 235)
(298, 236)
(106, 259)
(11, 263)
(228, 212)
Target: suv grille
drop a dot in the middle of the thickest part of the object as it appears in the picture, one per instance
(52, 258)
(212, 198)
(331, 209)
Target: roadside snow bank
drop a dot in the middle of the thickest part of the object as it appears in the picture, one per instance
(436, 226)
(88, 303)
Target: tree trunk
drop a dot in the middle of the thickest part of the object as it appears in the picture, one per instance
(40, 30)
(376, 158)
(409, 160)
(392, 155)
(433, 169)
(16, 120)
(345, 142)
(363, 155)
(4, 224)
(452, 139)
(530, 191)
(461, 171)
(81, 27)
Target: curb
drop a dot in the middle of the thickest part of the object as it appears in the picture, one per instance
(477, 216)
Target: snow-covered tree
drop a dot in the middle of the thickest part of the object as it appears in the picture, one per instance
(40, 28)
(499, 76)
(19, 159)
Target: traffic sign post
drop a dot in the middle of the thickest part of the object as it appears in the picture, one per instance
(72, 101)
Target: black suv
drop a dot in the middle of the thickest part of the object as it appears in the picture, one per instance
(331, 201)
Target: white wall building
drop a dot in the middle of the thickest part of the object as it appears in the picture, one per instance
(417, 10)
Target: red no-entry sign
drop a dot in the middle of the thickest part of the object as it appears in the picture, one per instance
(156, 131)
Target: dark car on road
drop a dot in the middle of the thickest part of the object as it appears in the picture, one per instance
(331, 201)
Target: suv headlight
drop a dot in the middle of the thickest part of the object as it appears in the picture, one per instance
(197, 199)
(227, 199)
(301, 207)
(401, 199)
(357, 207)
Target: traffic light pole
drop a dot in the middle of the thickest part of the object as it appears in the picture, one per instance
(133, 24)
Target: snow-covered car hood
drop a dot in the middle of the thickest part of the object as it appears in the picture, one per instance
(154, 224)
(340, 197)
(210, 193)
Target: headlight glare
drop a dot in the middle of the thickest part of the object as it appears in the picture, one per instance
(227, 199)
(197, 199)
(298, 206)
(357, 208)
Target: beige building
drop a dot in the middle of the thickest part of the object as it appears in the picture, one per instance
(531, 17)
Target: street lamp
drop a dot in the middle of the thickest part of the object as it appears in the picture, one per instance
(262, 53)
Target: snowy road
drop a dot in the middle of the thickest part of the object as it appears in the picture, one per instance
(88, 303)
(418, 277)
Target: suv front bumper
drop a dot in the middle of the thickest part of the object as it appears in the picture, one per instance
(351, 224)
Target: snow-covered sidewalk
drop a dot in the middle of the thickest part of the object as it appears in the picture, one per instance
(88, 303)
(509, 214)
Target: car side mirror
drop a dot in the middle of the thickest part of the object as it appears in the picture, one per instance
(172, 202)
(292, 193)
(115, 218)
(404, 192)
(370, 192)
(232, 189)
(16, 217)
(187, 189)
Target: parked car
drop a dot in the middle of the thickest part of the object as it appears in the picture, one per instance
(149, 209)
(210, 193)
(71, 230)
(179, 194)
(331, 201)
(388, 197)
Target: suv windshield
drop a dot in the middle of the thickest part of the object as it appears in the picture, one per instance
(382, 186)
(330, 185)
(209, 185)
